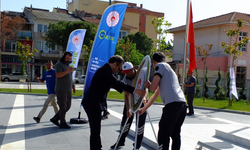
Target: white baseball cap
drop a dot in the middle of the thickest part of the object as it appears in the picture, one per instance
(126, 67)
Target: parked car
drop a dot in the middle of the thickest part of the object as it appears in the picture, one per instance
(80, 79)
(16, 76)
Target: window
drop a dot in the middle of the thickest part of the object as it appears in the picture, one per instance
(240, 73)
(39, 45)
(122, 33)
(45, 28)
(45, 46)
(42, 28)
(241, 36)
(39, 28)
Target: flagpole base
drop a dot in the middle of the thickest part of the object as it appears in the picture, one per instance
(78, 121)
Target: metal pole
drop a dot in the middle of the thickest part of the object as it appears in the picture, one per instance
(121, 133)
(185, 46)
(152, 128)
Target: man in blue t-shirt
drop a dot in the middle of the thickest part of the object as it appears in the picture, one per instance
(50, 78)
(190, 89)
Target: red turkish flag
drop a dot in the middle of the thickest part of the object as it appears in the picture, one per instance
(191, 42)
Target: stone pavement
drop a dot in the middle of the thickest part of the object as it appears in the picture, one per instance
(19, 131)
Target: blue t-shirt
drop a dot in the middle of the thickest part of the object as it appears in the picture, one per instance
(50, 77)
(191, 90)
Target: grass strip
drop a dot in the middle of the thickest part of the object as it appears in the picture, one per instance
(241, 105)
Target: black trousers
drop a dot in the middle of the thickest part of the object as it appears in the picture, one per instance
(93, 112)
(190, 99)
(141, 124)
(173, 116)
(64, 102)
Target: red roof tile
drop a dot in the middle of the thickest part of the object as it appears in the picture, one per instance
(222, 19)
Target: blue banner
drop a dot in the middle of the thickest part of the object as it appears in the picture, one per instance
(74, 46)
(105, 40)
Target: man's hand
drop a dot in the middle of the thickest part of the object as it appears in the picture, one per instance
(141, 111)
(129, 114)
(36, 77)
(70, 69)
(184, 85)
(147, 84)
(140, 92)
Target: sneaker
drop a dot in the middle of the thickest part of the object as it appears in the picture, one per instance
(104, 118)
(65, 126)
(105, 114)
(55, 122)
(190, 114)
(37, 119)
(113, 146)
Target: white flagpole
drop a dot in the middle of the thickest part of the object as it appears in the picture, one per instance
(185, 46)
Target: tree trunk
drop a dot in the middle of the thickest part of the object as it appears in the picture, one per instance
(28, 82)
(30, 76)
(204, 94)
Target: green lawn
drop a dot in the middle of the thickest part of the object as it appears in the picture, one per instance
(212, 103)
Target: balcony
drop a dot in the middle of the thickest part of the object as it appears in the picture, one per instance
(40, 34)
(49, 54)
(23, 35)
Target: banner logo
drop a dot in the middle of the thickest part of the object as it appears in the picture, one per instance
(113, 18)
(102, 34)
(76, 39)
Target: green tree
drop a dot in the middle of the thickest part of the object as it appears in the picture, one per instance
(236, 43)
(228, 84)
(243, 86)
(58, 33)
(219, 93)
(128, 51)
(22, 70)
(87, 49)
(205, 87)
(25, 54)
(197, 88)
(204, 53)
(143, 43)
(161, 27)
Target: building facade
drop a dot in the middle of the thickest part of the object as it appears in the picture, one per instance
(40, 20)
(10, 62)
(212, 31)
(136, 18)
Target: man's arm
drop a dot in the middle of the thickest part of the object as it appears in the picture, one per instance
(189, 85)
(155, 83)
(150, 101)
(127, 103)
(61, 74)
(38, 79)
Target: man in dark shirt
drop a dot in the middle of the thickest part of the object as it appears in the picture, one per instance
(190, 88)
(102, 81)
(63, 88)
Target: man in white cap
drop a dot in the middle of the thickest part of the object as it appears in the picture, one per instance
(130, 72)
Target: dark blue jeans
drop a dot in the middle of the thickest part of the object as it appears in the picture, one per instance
(190, 99)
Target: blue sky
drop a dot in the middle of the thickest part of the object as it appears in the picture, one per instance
(175, 10)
